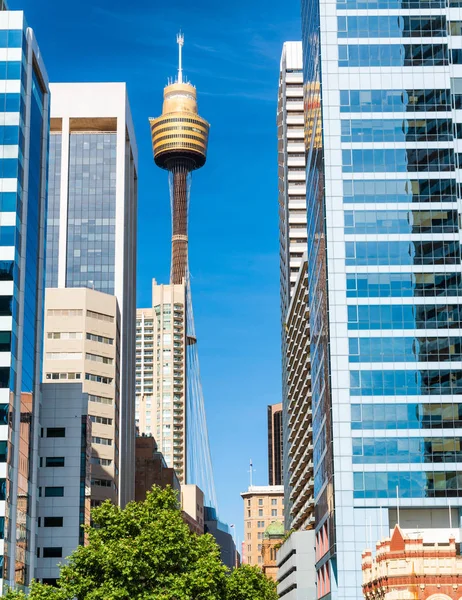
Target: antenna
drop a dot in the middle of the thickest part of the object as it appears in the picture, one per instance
(180, 42)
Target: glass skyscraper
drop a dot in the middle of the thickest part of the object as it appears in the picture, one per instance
(24, 130)
(92, 221)
(384, 272)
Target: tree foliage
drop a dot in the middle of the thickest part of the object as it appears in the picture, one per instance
(146, 552)
(249, 583)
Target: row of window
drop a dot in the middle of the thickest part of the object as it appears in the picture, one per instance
(383, 450)
(399, 130)
(413, 484)
(395, 55)
(397, 100)
(406, 285)
(63, 355)
(405, 349)
(100, 338)
(371, 26)
(406, 416)
(100, 399)
(383, 4)
(404, 221)
(402, 253)
(98, 358)
(405, 316)
(405, 383)
(398, 160)
(77, 312)
(399, 190)
(101, 420)
(65, 335)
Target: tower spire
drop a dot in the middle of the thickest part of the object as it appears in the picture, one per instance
(180, 42)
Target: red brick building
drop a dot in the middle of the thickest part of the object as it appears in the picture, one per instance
(406, 568)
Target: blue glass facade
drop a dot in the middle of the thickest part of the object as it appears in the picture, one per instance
(384, 268)
(24, 144)
(91, 221)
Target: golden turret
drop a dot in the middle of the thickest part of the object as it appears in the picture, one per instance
(180, 133)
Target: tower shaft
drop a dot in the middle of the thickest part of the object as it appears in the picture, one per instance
(179, 192)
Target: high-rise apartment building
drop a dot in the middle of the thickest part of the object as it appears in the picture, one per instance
(291, 170)
(299, 487)
(384, 270)
(24, 130)
(292, 208)
(160, 373)
(92, 216)
(263, 505)
(275, 444)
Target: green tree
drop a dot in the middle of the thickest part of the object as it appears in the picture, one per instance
(143, 552)
(249, 583)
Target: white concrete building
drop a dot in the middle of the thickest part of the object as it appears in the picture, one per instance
(291, 170)
(160, 373)
(92, 220)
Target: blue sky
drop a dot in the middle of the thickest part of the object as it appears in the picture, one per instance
(231, 54)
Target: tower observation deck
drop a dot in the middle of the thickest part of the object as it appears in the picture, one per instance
(179, 142)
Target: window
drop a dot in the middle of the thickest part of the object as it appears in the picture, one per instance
(56, 432)
(98, 378)
(100, 316)
(100, 399)
(56, 312)
(55, 376)
(101, 420)
(105, 462)
(54, 492)
(397, 55)
(63, 355)
(274, 502)
(52, 552)
(98, 358)
(64, 335)
(248, 513)
(102, 482)
(274, 513)
(100, 338)
(260, 502)
(260, 512)
(259, 547)
(101, 440)
(53, 521)
(54, 461)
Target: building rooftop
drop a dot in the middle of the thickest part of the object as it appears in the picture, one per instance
(274, 529)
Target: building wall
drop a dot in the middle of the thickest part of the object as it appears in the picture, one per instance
(82, 344)
(296, 567)
(192, 504)
(93, 219)
(300, 482)
(262, 506)
(413, 565)
(292, 205)
(64, 476)
(23, 183)
(160, 373)
(382, 284)
(151, 469)
(275, 450)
